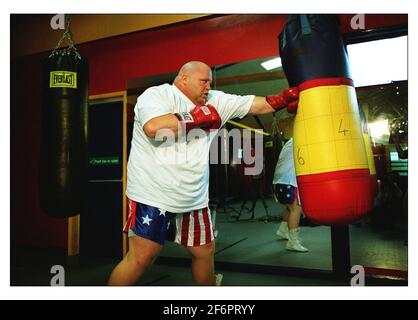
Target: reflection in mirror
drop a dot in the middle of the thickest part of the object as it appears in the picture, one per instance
(379, 241)
(249, 224)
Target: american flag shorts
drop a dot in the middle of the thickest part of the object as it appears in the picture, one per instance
(286, 194)
(188, 229)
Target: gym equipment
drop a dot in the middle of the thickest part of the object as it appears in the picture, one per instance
(64, 154)
(330, 156)
(255, 193)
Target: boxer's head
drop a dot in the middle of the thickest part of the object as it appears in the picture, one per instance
(194, 80)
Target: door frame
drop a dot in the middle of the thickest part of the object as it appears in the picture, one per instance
(74, 222)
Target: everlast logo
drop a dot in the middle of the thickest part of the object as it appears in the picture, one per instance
(63, 79)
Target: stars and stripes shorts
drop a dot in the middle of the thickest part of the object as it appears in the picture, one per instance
(286, 194)
(188, 229)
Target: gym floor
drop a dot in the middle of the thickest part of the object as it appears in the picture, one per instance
(247, 254)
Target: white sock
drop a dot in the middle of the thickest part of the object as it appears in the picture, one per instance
(284, 226)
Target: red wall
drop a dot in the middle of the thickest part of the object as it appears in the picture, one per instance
(218, 40)
(214, 40)
(29, 224)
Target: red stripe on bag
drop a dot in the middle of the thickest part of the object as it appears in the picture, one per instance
(325, 82)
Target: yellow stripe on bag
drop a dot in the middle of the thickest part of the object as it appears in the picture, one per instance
(327, 131)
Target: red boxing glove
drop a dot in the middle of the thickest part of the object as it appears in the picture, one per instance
(205, 117)
(282, 99)
(292, 107)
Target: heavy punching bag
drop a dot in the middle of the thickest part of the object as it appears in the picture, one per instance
(64, 155)
(330, 157)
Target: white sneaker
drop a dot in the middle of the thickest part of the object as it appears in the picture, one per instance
(295, 246)
(294, 242)
(283, 231)
(218, 279)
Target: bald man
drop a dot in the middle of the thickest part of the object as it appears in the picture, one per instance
(168, 173)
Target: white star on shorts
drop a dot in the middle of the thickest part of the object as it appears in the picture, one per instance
(162, 212)
(146, 220)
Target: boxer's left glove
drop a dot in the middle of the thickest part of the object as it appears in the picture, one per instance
(287, 98)
(204, 117)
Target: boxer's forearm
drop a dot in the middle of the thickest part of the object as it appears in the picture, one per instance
(168, 123)
(269, 104)
(168, 126)
(260, 106)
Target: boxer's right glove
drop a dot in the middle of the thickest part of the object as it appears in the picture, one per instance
(204, 117)
(287, 98)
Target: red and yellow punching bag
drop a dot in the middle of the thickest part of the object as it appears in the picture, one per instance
(329, 151)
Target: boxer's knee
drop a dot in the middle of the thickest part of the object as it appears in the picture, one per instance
(203, 252)
(142, 252)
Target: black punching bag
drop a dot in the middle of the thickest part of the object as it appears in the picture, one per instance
(64, 154)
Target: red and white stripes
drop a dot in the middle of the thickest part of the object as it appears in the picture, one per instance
(194, 228)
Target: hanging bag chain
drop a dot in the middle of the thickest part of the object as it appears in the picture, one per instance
(67, 34)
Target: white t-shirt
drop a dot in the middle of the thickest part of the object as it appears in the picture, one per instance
(285, 167)
(174, 176)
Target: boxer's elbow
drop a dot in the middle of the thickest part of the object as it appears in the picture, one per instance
(150, 129)
(163, 126)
